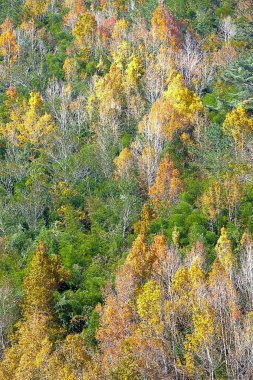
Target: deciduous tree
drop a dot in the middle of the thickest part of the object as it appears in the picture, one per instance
(9, 48)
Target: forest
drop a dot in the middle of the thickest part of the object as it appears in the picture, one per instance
(126, 190)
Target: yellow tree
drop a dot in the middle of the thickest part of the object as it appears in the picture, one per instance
(70, 68)
(149, 304)
(223, 193)
(105, 106)
(28, 124)
(163, 302)
(199, 344)
(133, 74)
(70, 361)
(85, 33)
(32, 344)
(108, 96)
(150, 345)
(123, 164)
(167, 184)
(9, 49)
(181, 108)
(147, 214)
(224, 251)
(122, 54)
(118, 315)
(36, 8)
(119, 34)
(232, 193)
(193, 308)
(41, 281)
(239, 125)
(139, 258)
(176, 111)
(188, 287)
(134, 70)
(211, 200)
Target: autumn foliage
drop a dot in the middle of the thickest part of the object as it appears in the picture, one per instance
(126, 190)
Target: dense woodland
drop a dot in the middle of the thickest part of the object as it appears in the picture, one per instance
(126, 190)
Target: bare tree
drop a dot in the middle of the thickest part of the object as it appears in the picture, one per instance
(227, 28)
(8, 313)
(189, 58)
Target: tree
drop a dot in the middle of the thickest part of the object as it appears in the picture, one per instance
(105, 30)
(84, 32)
(239, 76)
(8, 312)
(157, 71)
(152, 346)
(211, 200)
(224, 251)
(246, 273)
(45, 273)
(225, 193)
(164, 26)
(9, 48)
(75, 10)
(228, 29)
(70, 361)
(123, 164)
(174, 112)
(240, 126)
(32, 344)
(29, 125)
(184, 107)
(105, 107)
(147, 214)
(167, 184)
(70, 68)
(36, 8)
(199, 343)
(179, 109)
(189, 59)
(233, 195)
(227, 316)
(148, 165)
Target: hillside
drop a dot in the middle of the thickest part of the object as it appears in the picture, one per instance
(126, 190)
